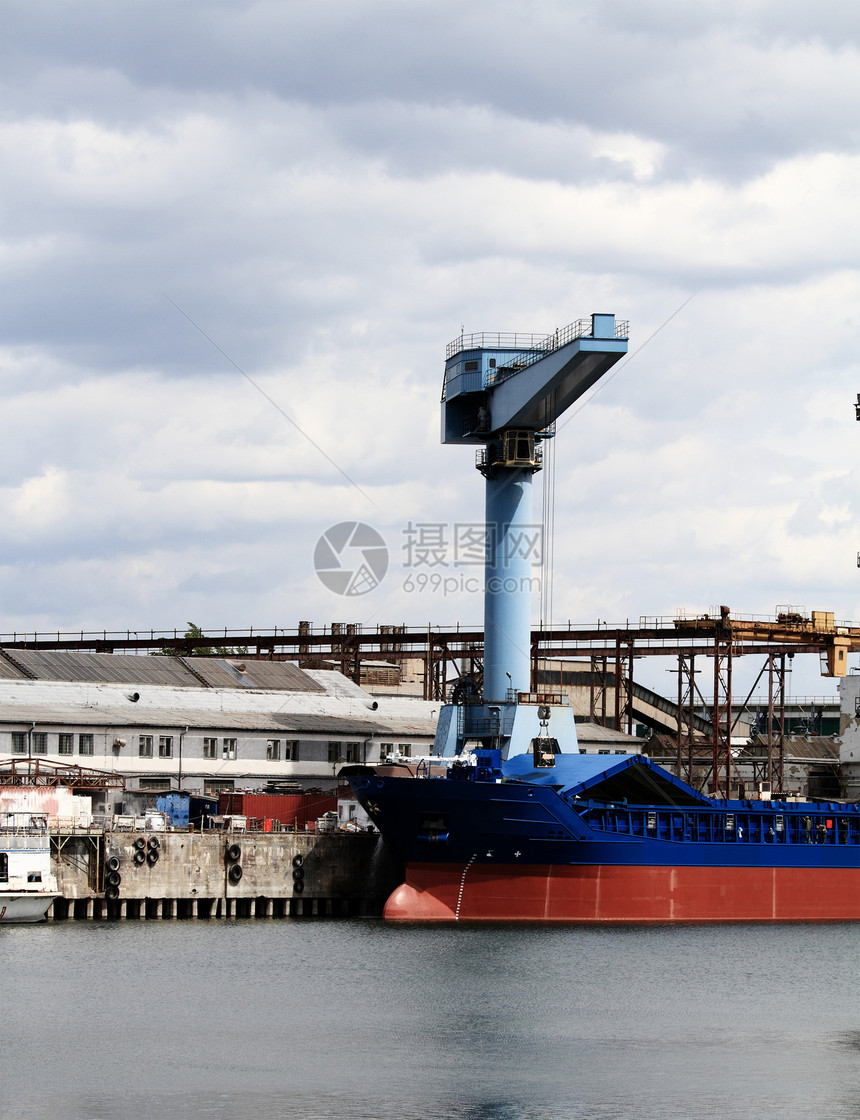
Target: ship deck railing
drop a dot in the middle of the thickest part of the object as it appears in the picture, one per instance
(719, 826)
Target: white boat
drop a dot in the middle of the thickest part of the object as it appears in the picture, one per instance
(27, 884)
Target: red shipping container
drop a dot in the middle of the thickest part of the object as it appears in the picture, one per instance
(293, 810)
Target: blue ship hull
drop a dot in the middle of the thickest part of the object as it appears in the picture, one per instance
(599, 840)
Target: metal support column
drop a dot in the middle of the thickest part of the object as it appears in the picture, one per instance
(721, 716)
(629, 690)
(618, 682)
(507, 582)
(776, 720)
(686, 704)
(597, 691)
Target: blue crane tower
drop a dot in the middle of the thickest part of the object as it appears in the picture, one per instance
(503, 393)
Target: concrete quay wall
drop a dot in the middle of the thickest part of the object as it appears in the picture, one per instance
(211, 874)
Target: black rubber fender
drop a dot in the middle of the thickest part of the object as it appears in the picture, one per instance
(140, 843)
(298, 860)
(152, 857)
(152, 843)
(113, 863)
(139, 857)
(112, 893)
(298, 874)
(114, 878)
(298, 886)
(234, 853)
(235, 873)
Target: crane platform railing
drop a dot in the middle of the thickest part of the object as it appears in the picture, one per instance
(533, 347)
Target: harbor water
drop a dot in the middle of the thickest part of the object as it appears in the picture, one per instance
(356, 1019)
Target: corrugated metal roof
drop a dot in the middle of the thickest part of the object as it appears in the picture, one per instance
(414, 726)
(333, 725)
(119, 668)
(239, 673)
(392, 727)
(8, 670)
(336, 684)
(799, 748)
(130, 718)
(597, 733)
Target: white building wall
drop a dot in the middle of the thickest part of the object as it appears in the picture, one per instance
(161, 737)
(57, 803)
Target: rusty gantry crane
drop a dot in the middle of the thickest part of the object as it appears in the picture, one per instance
(451, 653)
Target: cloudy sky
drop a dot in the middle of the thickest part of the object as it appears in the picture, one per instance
(237, 237)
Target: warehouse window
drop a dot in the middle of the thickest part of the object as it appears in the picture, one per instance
(404, 750)
(385, 749)
(4, 868)
(291, 750)
(273, 750)
(65, 743)
(144, 746)
(333, 751)
(85, 744)
(40, 742)
(352, 752)
(214, 787)
(165, 746)
(210, 748)
(228, 748)
(19, 742)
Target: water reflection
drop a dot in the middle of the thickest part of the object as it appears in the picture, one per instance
(353, 1020)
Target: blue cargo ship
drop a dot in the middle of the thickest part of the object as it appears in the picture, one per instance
(589, 839)
(521, 826)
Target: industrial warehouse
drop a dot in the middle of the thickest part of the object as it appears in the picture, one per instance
(299, 705)
(214, 724)
(207, 726)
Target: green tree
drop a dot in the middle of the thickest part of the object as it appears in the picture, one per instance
(193, 634)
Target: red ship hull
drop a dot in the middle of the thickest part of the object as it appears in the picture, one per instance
(623, 894)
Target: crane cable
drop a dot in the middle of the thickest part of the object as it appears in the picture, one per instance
(547, 558)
